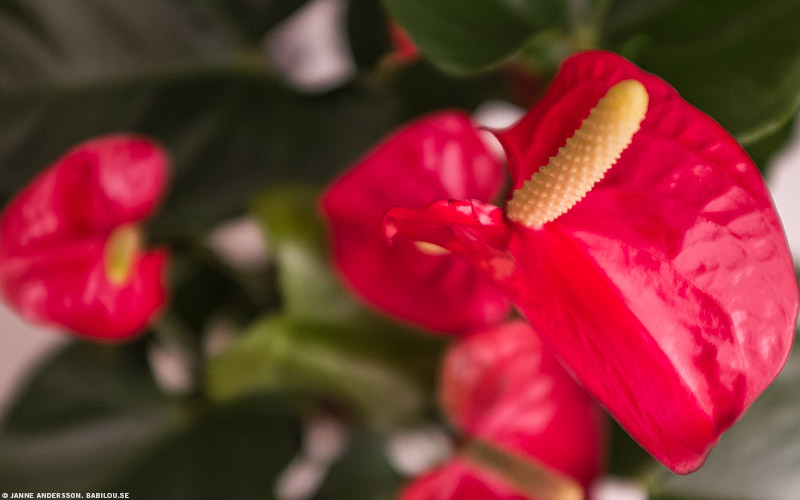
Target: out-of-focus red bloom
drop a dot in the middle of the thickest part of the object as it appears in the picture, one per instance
(69, 249)
(440, 156)
(668, 290)
(502, 388)
(404, 49)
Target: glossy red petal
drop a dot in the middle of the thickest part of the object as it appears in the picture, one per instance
(440, 156)
(460, 480)
(682, 241)
(53, 235)
(501, 386)
(668, 290)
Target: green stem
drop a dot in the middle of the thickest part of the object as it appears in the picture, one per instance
(533, 479)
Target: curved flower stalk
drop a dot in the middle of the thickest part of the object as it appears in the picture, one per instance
(440, 156)
(70, 251)
(666, 287)
(504, 392)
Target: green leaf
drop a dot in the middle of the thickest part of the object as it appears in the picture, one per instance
(758, 458)
(466, 36)
(308, 287)
(368, 32)
(382, 372)
(93, 420)
(79, 41)
(764, 149)
(738, 60)
(363, 473)
(186, 73)
(230, 132)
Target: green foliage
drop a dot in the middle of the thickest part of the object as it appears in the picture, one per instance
(757, 459)
(383, 376)
(739, 61)
(463, 36)
(362, 473)
(323, 341)
(93, 420)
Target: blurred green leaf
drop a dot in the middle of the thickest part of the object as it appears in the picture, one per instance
(230, 132)
(363, 473)
(626, 458)
(43, 42)
(381, 371)
(324, 341)
(764, 149)
(738, 60)
(189, 74)
(308, 287)
(368, 32)
(92, 419)
(465, 36)
(421, 89)
(758, 459)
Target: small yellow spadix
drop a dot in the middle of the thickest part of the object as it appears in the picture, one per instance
(120, 249)
(584, 159)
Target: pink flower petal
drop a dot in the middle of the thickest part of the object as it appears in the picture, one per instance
(440, 156)
(460, 480)
(668, 290)
(53, 236)
(501, 386)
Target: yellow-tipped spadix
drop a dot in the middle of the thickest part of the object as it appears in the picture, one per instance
(584, 159)
(120, 250)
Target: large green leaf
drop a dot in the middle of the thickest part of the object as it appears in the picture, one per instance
(380, 372)
(192, 75)
(758, 459)
(737, 60)
(230, 132)
(363, 473)
(80, 41)
(93, 420)
(309, 289)
(463, 36)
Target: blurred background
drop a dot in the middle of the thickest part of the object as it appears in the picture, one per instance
(251, 96)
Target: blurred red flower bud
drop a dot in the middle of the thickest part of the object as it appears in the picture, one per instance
(70, 249)
(502, 388)
(439, 156)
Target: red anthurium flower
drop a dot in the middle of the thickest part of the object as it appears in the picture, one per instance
(440, 156)
(70, 251)
(666, 287)
(404, 49)
(502, 388)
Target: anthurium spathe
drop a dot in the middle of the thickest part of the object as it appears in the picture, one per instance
(502, 389)
(661, 278)
(439, 156)
(70, 249)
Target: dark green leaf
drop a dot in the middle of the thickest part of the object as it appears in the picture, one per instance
(308, 287)
(758, 458)
(465, 36)
(764, 149)
(187, 73)
(626, 457)
(738, 60)
(368, 31)
(363, 473)
(381, 371)
(93, 420)
(230, 132)
(46, 41)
